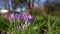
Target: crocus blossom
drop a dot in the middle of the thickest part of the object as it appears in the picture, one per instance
(17, 16)
(11, 16)
(29, 16)
(26, 16)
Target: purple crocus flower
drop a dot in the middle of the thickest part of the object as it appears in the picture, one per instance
(29, 16)
(17, 16)
(26, 16)
(11, 16)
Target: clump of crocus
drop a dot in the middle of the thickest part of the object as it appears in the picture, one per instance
(14, 16)
(11, 16)
(26, 17)
(18, 16)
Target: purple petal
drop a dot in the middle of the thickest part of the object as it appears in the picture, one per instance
(11, 16)
(18, 16)
(29, 16)
(26, 16)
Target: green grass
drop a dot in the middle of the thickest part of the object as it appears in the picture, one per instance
(41, 25)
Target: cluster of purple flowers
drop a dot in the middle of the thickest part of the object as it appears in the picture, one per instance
(27, 19)
(19, 16)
